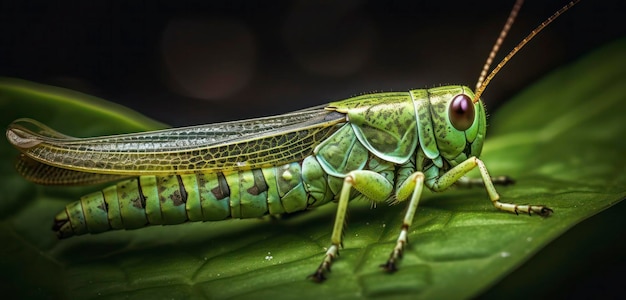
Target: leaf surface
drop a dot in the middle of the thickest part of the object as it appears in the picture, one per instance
(561, 139)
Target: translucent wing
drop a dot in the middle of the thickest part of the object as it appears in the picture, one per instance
(237, 145)
(41, 173)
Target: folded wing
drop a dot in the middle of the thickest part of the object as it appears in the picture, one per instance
(50, 157)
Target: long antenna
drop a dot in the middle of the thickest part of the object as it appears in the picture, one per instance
(483, 81)
(496, 47)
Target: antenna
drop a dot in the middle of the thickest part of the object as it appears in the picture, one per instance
(483, 81)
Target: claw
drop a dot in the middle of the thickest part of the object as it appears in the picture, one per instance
(504, 180)
(318, 276)
(543, 211)
(389, 266)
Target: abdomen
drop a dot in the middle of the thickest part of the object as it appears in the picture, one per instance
(166, 200)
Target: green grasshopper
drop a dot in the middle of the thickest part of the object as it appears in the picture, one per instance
(384, 147)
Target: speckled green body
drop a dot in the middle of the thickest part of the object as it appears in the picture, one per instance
(392, 134)
(165, 200)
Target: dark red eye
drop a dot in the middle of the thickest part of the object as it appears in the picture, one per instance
(461, 112)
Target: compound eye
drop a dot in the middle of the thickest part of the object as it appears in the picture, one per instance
(461, 112)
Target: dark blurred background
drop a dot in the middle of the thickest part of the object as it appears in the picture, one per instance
(194, 62)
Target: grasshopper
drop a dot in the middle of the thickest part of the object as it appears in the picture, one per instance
(385, 147)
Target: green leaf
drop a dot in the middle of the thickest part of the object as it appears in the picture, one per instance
(561, 139)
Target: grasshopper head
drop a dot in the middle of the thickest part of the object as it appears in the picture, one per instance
(459, 125)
